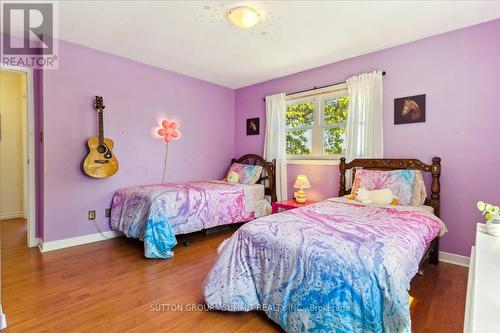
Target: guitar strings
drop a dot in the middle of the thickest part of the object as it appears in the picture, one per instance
(165, 164)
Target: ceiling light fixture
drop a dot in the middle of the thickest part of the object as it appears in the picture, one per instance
(243, 17)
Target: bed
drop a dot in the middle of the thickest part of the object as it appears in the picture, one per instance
(156, 213)
(333, 266)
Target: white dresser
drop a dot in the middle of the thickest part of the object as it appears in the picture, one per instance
(482, 309)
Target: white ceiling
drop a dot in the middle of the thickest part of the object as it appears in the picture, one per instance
(195, 38)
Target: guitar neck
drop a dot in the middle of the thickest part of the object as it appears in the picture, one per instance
(101, 128)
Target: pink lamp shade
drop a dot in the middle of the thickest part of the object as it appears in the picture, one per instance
(169, 131)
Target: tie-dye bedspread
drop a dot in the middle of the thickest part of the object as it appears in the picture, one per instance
(327, 267)
(156, 213)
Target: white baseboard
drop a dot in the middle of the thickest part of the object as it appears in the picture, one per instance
(455, 259)
(68, 242)
(38, 241)
(12, 215)
(3, 320)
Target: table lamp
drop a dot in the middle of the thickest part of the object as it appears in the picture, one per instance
(301, 183)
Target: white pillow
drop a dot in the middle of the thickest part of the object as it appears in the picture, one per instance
(419, 191)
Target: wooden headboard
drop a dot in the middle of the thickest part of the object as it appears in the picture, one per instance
(395, 164)
(268, 172)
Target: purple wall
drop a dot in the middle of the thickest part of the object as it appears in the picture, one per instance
(460, 74)
(136, 97)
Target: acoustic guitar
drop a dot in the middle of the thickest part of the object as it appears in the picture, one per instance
(100, 161)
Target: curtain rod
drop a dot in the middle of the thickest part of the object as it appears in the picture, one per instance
(316, 88)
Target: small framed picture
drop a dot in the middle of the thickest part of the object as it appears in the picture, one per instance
(409, 110)
(253, 125)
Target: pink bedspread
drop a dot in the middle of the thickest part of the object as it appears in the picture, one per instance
(186, 207)
(327, 267)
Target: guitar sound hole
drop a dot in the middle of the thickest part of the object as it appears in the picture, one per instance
(101, 149)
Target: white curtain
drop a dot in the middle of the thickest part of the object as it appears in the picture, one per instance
(364, 123)
(275, 140)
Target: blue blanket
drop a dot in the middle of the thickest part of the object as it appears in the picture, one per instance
(159, 238)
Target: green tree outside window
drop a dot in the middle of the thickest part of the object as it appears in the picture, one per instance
(300, 123)
(336, 111)
(299, 115)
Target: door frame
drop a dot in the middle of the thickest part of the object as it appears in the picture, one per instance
(30, 164)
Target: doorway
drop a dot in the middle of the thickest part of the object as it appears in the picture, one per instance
(17, 155)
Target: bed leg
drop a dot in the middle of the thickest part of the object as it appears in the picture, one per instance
(434, 252)
(186, 242)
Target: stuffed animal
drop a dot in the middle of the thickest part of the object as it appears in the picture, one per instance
(233, 177)
(380, 197)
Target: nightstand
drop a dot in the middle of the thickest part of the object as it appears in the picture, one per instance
(290, 204)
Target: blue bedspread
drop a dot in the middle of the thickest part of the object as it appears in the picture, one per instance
(328, 267)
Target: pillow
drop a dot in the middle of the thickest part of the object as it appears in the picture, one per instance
(400, 182)
(247, 174)
(419, 192)
(380, 197)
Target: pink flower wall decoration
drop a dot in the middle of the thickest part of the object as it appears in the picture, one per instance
(169, 131)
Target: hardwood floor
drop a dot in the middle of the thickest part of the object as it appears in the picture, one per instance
(109, 286)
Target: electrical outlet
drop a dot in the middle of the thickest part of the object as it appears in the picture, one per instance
(91, 215)
(107, 212)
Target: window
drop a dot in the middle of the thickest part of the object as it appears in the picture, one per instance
(316, 125)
